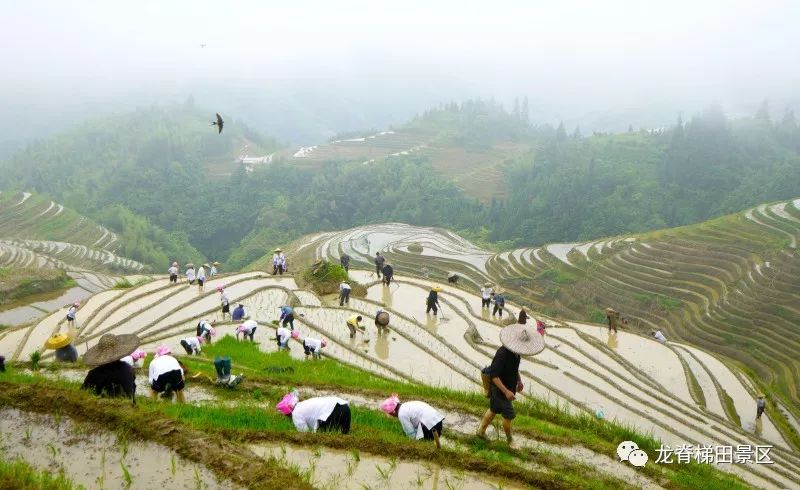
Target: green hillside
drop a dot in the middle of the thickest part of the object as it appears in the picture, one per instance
(41, 225)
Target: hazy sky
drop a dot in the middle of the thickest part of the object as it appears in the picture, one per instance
(567, 56)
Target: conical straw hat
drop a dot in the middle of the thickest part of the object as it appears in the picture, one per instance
(111, 348)
(59, 340)
(522, 340)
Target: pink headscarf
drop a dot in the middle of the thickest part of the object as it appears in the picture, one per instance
(76, 304)
(220, 288)
(201, 340)
(288, 402)
(213, 332)
(163, 350)
(138, 354)
(540, 327)
(295, 334)
(389, 405)
(240, 329)
(323, 342)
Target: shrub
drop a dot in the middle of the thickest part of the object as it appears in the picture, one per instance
(415, 248)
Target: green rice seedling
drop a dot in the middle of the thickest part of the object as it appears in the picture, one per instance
(27, 437)
(173, 466)
(198, 482)
(35, 357)
(356, 455)
(53, 450)
(317, 452)
(126, 475)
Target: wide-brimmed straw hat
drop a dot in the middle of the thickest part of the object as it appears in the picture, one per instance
(761, 395)
(278, 250)
(111, 348)
(206, 264)
(438, 289)
(62, 339)
(214, 263)
(190, 265)
(487, 284)
(522, 340)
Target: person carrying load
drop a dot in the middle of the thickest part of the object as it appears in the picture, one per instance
(432, 302)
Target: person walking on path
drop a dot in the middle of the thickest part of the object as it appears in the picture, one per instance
(190, 274)
(388, 274)
(344, 261)
(110, 375)
(206, 330)
(502, 376)
(278, 262)
(499, 304)
(312, 347)
(418, 419)
(71, 314)
(323, 414)
(432, 302)
(225, 301)
(379, 261)
(201, 277)
(247, 329)
(173, 273)
(486, 295)
(761, 405)
(287, 316)
(238, 313)
(166, 375)
(344, 293)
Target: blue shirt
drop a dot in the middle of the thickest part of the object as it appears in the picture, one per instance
(286, 310)
(238, 313)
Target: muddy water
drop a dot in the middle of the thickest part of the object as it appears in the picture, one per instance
(713, 403)
(363, 276)
(744, 402)
(95, 459)
(53, 322)
(307, 298)
(657, 361)
(332, 468)
(19, 315)
(9, 342)
(118, 311)
(401, 354)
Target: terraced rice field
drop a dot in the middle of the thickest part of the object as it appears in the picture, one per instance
(366, 149)
(631, 378)
(727, 286)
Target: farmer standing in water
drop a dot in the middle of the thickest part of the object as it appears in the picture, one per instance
(502, 377)
(344, 260)
(432, 302)
(379, 261)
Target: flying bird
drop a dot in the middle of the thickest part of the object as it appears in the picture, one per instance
(219, 123)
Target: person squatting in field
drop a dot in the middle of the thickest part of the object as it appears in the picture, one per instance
(166, 375)
(418, 419)
(323, 414)
(247, 330)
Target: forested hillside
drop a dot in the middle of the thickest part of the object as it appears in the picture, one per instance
(479, 170)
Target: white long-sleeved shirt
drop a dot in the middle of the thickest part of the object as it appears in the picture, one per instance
(413, 415)
(173, 271)
(224, 299)
(205, 326)
(284, 334)
(201, 273)
(163, 364)
(660, 336)
(72, 311)
(249, 325)
(344, 286)
(193, 343)
(308, 413)
(190, 274)
(486, 293)
(313, 344)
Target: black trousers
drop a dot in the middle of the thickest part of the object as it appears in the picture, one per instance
(427, 434)
(432, 306)
(344, 297)
(378, 270)
(498, 309)
(339, 420)
(485, 302)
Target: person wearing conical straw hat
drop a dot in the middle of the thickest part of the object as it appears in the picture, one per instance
(166, 375)
(62, 343)
(761, 405)
(418, 419)
(388, 273)
(72, 313)
(502, 376)
(213, 271)
(432, 302)
(486, 295)
(381, 320)
(191, 276)
(111, 376)
(173, 273)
